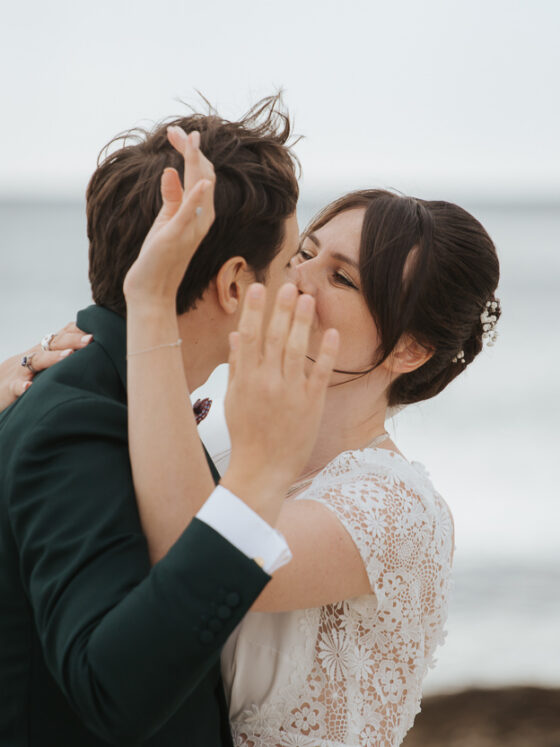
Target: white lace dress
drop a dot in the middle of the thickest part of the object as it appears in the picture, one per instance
(351, 673)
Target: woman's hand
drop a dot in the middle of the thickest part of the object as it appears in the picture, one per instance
(273, 407)
(184, 219)
(16, 379)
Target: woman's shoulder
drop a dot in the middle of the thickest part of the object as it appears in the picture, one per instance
(383, 467)
(365, 483)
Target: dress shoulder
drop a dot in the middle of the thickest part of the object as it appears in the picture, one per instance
(388, 506)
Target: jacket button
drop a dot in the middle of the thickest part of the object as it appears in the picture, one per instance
(233, 599)
(206, 636)
(215, 625)
(224, 611)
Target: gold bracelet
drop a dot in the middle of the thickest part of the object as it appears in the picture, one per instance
(176, 344)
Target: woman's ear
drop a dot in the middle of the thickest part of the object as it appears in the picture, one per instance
(231, 281)
(408, 355)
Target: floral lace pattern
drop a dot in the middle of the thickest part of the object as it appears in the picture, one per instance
(351, 673)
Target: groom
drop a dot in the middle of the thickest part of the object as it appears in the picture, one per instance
(96, 647)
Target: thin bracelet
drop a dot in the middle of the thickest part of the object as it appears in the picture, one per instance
(176, 344)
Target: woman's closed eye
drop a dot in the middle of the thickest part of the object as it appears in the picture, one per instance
(305, 255)
(344, 280)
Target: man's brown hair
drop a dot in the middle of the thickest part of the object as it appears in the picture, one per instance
(256, 190)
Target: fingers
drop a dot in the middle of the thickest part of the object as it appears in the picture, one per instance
(248, 352)
(43, 359)
(324, 363)
(279, 325)
(197, 166)
(171, 193)
(70, 327)
(298, 339)
(19, 386)
(198, 206)
(72, 338)
(178, 138)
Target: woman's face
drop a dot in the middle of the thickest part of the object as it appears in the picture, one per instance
(326, 267)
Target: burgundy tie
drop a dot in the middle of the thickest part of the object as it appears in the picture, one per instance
(201, 408)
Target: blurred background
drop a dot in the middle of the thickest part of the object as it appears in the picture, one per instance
(439, 99)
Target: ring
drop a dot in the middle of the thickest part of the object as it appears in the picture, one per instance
(46, 341)
(26, 362)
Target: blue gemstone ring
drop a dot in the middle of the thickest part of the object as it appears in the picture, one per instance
(26, 362)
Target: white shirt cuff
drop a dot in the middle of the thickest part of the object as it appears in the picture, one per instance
(245, 529)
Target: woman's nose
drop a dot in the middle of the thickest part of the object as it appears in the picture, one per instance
(302, 277)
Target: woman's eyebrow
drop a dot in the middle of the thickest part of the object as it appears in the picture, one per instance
(335, 255)
(312, 237)
(344, 258)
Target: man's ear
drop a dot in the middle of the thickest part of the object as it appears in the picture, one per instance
(231, 282)
(408, 355)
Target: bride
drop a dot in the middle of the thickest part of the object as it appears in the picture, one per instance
(335, 649)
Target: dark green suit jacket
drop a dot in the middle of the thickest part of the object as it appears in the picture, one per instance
(95, 647)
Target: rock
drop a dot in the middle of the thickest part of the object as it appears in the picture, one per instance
(508, 717)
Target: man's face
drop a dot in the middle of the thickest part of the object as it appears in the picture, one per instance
(277, 273)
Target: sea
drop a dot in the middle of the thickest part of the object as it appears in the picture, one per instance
(490, 441)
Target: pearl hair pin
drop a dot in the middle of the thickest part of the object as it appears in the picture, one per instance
(488, 320)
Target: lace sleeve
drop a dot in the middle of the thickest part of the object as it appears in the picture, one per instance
(374, 651)
(386, 518)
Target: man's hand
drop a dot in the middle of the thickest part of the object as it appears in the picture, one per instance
(183, 221)
(273, 408)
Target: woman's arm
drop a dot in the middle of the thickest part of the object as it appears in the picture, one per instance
(326, 566)
(171, 475)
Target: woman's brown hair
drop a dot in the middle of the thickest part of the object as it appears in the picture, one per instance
(427, 270)
(256, 191)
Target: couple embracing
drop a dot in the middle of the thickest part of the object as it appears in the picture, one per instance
(298, 598)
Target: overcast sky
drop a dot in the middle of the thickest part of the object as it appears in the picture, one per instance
(423, 95)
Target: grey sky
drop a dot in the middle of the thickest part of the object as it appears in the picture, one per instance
(423, 95)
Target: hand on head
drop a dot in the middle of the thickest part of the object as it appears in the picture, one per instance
(186, 214)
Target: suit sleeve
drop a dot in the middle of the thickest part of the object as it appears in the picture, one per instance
(127, 644)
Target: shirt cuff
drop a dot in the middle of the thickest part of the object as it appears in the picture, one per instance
(245, 529)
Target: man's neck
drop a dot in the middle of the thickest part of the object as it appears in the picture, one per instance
(204, 343)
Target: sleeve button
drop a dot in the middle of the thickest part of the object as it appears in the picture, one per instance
(233, 599)
(215, 625)
(224, 612)
(206, 636)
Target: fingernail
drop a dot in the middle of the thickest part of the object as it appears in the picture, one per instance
(307, 304)
(331, 336)
(66, 353)
(233, 340)
(255, 291)
(287, 291)
(177, 130)
(27, 385)
(195, 139)
(86, 339)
